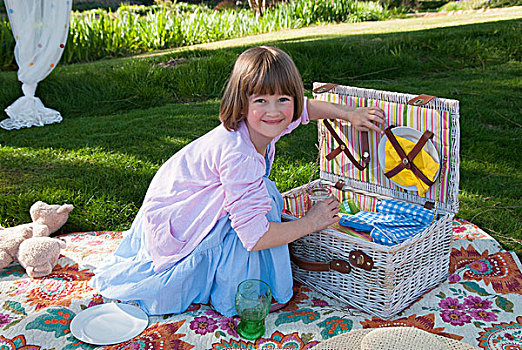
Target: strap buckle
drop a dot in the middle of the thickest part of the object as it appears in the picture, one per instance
(407, 159)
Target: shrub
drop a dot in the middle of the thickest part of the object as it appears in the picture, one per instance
(132, 29)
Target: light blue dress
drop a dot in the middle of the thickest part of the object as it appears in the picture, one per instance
(211, 272)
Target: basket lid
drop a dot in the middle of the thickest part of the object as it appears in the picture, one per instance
(433, 175)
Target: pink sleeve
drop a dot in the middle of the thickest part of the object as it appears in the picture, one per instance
(246, 198)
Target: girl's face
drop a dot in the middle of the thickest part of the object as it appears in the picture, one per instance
(268, 116)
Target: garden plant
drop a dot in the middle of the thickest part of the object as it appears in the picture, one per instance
(131, 29)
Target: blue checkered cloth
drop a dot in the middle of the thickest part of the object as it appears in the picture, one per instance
(393, 223)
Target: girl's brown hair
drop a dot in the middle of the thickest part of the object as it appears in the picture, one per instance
(260, 70)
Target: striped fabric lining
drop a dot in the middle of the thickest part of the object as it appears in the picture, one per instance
(297, 203)
(397, 114)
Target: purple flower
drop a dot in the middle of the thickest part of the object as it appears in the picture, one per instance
(451, 304)
(472, 302)
(480, 267)
(4, 319)
(213, 313)
(459, 229)
(455, 317)
(95, 300)
(319, 302)
(229, 324)
(203, 325)
(483, 315)
(454, 278)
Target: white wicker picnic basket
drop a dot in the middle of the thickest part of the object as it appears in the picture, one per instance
(381, 280)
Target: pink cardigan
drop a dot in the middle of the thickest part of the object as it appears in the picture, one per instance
(217, 174)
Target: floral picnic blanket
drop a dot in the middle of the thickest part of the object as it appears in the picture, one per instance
(480, 304)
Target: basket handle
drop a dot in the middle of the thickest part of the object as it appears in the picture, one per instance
(337, 264)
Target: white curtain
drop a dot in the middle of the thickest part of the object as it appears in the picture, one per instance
(40, 29)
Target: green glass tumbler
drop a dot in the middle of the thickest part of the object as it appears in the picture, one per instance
(253, 298)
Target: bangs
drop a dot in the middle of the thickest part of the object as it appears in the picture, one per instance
(269, 77)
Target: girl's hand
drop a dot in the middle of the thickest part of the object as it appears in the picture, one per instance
(320, 216)
(367, 118)
(323, 214)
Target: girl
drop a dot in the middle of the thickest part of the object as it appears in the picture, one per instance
(211, 218)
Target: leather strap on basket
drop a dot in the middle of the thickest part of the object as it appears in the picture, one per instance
(420, 100)
(365, 158)
(337, 265)
(407, 159)
(324, 88)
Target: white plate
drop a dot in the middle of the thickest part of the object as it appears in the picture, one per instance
(109, 324)
(413, 135)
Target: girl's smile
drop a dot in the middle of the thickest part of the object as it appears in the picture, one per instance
(268, 116)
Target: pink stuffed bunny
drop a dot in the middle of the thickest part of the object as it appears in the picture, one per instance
(38, 255)
(47, 219)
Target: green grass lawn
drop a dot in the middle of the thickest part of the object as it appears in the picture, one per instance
(124, 117)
